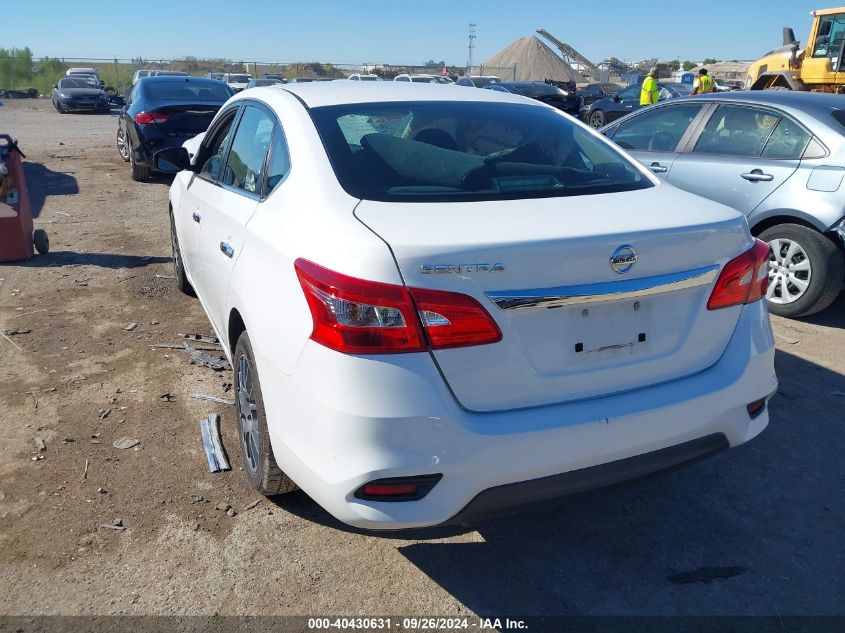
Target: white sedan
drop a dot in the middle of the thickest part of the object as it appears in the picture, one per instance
(441, 305)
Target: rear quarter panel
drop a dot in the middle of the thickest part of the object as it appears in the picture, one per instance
(309, 216)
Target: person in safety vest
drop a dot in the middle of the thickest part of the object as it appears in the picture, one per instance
(650, 92)
(703, 84)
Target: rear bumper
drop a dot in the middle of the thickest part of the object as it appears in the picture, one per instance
(150, 145)
(510, 498)
(341, 421)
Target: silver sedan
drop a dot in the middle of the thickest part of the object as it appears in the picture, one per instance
(779, 157)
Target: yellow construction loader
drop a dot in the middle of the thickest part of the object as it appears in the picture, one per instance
(818, 67)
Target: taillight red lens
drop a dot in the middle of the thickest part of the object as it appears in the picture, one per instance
(146, 118)
(356, 316)
(743, 279)
(454, 320)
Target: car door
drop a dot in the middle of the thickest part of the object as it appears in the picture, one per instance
(655, 136)
(726, 162)
(202, 189)
(226, 215)
(624, 103)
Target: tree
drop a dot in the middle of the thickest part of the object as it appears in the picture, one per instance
(710, 60)
(674, 65)
(688, 65)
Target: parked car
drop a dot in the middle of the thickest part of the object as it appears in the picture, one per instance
(626, 101)
(360, 77)
(164, 112)
(777, 157)
(78, 93)
(422, 79)
(80, 71)
(403, 378)
(237, 81)
(541, 91)
(477, 81)
(169, 73)
(255, 83)
(140, 73)
(593, 92)
(217, 76)
(279, 78)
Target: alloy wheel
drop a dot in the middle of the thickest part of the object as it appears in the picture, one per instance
(596, 119)
(248, 415)
(790, 271)
(121, 145)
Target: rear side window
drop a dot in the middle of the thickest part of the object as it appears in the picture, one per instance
(788, 141)
(181, 90)
(278, 164)
(244, 167)
(737, 131)
(657, 130)
(456, 151)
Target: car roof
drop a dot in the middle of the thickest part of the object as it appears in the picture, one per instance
(817, 104)
(318, 94)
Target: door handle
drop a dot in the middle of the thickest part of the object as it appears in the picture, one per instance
(757, 175)
(227, 249)
(657, 168)
(197, 217)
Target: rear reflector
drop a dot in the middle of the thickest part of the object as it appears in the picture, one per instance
(743, 279)
(756, 408)
(398, 488)
(356, 316)
(146, 118)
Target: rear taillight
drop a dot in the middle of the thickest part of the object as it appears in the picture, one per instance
(743, 279)
(146, 118)
(357, 316)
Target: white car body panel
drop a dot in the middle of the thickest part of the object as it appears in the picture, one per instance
(337, 421)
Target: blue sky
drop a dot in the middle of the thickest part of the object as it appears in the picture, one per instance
(397, 31)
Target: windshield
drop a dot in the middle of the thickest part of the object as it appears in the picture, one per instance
(480, 82)
(78, 82)
(368, 78)
(181, 90)
(454, 151)
(239, 79)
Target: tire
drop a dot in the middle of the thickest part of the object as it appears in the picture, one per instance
(806, 270)
(178, 265)
(257, 453)
(139, 172)
(596, 119)
(122, 147)
(41, 241)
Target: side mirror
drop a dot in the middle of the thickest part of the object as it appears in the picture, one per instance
(173, 160)
(616, 97)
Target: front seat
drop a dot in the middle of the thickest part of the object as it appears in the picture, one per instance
(437, 137)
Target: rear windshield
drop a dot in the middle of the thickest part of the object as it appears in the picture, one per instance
(839, 115)
(454, 151)
(181, 90)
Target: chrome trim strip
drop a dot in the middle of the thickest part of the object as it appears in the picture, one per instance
(597, 293)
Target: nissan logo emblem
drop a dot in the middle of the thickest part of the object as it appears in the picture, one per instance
(623, 259)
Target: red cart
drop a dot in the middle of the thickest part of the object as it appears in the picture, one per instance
(16, 236)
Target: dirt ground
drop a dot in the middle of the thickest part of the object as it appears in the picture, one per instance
(756, 530)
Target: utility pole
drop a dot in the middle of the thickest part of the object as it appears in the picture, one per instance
(471, 46)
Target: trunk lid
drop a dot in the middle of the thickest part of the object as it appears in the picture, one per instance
(569, 349)
(185, 120)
